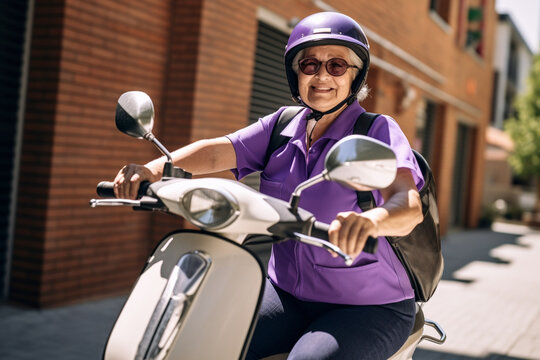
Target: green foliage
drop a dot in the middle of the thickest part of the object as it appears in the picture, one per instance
(524, 128)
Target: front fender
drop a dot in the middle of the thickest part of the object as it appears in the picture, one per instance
(222, 311)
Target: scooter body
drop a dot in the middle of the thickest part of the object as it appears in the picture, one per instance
(197, 298)
(199, 293)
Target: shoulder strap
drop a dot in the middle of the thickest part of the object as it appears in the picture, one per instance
(361, 127)
(276, 139)
(364, 122)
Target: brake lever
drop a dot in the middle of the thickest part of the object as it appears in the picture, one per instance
(325, 245)
(145, 203)
(114, 202)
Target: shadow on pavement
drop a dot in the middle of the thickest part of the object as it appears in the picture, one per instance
(462, 248)
(422, 354)
(72, 332)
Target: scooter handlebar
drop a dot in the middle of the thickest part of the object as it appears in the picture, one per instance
(106, 189)
(320, 230)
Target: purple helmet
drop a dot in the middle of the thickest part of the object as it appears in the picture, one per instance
(327, 28)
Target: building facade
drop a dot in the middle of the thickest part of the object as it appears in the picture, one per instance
(512, 61)
(211, 67)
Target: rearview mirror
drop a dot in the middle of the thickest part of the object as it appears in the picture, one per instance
(135, 114)
(361, 163)
(135, 117)
(358, 162)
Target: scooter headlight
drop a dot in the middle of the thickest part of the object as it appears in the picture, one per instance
(209, 208)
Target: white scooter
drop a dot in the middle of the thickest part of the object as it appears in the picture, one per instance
(199, 293)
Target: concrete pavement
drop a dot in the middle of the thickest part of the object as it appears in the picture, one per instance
(489, 300)
(488, 303)
(75, 332)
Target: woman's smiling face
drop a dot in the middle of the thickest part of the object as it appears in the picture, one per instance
(323, 91)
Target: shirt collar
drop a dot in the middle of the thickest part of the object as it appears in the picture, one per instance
(342, 125)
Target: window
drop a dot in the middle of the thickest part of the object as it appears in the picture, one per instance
(513, 63)
(475, 26)
(441, 8)
(425, 129)
(494, 93)
(463, 162)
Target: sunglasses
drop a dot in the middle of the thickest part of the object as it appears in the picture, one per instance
(334, 66)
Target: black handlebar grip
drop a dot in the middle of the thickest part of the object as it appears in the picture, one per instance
(320, 230)
(106, 189)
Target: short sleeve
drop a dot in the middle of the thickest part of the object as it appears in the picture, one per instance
(387, 130)
(250, 144)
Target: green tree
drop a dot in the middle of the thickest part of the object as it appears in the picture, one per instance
(524, 129)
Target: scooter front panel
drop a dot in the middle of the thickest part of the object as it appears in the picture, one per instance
(217, 318)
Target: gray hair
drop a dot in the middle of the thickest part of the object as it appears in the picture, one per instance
(353, 58)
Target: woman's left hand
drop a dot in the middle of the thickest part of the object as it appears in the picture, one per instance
(400, 213)
(350, 230)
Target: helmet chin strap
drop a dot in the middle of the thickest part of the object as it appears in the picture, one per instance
(317, 115)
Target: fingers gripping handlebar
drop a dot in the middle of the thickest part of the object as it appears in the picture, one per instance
(145, 201)
(320, 230)
(106, 189)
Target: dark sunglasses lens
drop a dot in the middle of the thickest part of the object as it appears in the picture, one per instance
(336, 67)
(309, 66)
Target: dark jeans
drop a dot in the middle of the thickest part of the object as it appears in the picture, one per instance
(311, 330)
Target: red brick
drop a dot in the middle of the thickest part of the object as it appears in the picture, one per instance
(185, 55)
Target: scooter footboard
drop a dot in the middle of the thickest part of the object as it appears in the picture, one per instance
(197, 298)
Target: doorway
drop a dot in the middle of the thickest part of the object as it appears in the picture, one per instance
(13, 34)
(462, 176)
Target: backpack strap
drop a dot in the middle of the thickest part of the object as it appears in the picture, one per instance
(364, 122)
(276, 139)
(361, 127)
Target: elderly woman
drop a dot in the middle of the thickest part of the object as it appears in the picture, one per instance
(314, 307)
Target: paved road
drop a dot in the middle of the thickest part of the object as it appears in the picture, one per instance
(488, 303)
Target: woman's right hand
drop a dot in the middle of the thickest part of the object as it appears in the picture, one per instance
(129, 178)
(201, 157)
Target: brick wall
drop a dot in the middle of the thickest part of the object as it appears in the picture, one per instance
(84, 55)
(29, 247)
(195, 59)
(174, 126)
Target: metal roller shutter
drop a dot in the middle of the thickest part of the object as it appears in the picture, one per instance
(270, 89)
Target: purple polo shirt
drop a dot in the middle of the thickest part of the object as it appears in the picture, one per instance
(311, 273)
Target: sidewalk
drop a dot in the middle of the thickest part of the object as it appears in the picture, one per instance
(488, 303)
(76, 332)
(489, 300)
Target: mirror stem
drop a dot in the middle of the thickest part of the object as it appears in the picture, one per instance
(295, 200)
(169, 170)
(295, 197)
(150, 137)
